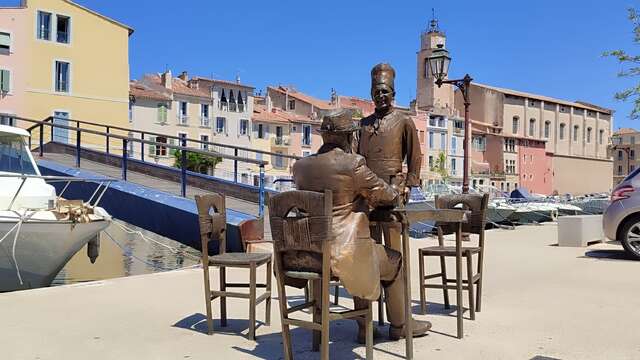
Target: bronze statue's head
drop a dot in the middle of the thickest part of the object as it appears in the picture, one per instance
(382, 87)
(338, 127)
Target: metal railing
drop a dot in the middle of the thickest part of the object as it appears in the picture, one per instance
(218, 150)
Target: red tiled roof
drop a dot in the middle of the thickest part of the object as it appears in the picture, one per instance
(625, 131)
(219, 81)
(367, 107)
(277, 115)
(178, 86)
(320, 104)
(141, 90)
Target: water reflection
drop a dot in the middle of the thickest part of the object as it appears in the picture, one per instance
(123, 252)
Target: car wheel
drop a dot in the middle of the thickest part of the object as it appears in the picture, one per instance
(630, 237)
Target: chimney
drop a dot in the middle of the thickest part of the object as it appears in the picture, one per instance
(268, 102)
(183, 76)
(165, 79)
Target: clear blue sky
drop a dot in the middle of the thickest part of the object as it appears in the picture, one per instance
(547, 47)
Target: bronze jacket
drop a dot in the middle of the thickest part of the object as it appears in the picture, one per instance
(355, 256)
(386, 142)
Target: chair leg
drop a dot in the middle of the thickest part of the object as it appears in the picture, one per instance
(472, 306)
(306, 292)
(207, 299)
(479, 286)
(336, 294)
(282, 301)
(423, 301)
(223, 299)
(252, 302)
(381, 309)
(267, 315)
(324, 345)
(445, 290)
(369, 323)
(315, 290)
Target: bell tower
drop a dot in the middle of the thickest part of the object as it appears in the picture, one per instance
(428, 96)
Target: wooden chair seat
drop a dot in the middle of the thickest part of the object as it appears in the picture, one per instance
(447, 250)
(239, 259)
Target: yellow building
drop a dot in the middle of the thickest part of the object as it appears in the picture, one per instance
(77, 65)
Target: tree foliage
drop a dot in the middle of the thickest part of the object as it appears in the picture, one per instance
(632, 68)
(196, 162)
(440, 167)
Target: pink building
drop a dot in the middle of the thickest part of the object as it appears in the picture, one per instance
(536, 167)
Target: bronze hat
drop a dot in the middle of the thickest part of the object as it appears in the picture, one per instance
(340, 120)
(383, 74)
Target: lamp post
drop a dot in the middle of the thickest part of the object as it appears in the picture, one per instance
(439, 65)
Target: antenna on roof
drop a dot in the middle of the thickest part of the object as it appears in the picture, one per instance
(433, 24)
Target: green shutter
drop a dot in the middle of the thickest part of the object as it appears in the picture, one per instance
(4, 80)
(152, 148)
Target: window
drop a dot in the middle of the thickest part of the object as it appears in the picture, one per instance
(44, 25)
(7, 120)
(5, 43)
(532, 126)
(224, 104)
(182, 139)
(453, 166)
(454, 144)
(562, 109)
(561, 134)
(306, 135)
(220, 125)
(244, 126)
(430, 161)
(278, 163)
(601, 138)
(432, 121)
(431, 144)
(632, 139)
(5, 81)
(510, 145)
(241, 101)
(204, 115)
(63, 24)
(479, 143)
(15, 155)
(632, 154)
(182, 113)
(620, 155)
(532, 103)
(292, 104)
(204, 139)
(441, 121)
(575, 132)
(159, 150)
(62, 76)
(619, 169)
(162, 113)
(588, 135)
(306, 153)
(515, 124)
(547, 127)
(443, 141)
(278, 135)
(260, 131)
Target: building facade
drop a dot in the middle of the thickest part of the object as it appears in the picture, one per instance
(624, 148)
(56, 66)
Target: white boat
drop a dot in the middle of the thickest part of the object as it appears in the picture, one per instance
(39, 230)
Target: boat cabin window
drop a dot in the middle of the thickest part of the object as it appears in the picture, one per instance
(14, 156)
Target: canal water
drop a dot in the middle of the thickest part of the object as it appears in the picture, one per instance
(124, 252)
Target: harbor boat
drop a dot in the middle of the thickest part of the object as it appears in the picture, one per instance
(531, 212)
(39, 230)
(423, 228)
(499, 211)
(593, 204)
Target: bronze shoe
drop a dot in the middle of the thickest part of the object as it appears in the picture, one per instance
(419, 327)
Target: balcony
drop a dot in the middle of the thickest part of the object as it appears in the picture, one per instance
(183, 119)
(280, 141)
(205, 121)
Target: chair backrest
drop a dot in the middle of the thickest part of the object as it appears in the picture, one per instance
(212, 219)
(476, 203)
(250, 231)
(300, 227)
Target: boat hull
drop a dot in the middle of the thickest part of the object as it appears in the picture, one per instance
(42, 249)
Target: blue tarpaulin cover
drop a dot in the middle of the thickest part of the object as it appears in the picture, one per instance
(520, 193)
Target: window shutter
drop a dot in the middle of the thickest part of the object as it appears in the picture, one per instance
(152, 148)
(4, 80)
(266, 131)
(5, 40)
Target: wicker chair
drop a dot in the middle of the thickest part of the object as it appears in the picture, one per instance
(213, 227)
(301, 230)
(477, 204)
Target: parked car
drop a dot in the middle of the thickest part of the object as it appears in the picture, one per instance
(621, 219)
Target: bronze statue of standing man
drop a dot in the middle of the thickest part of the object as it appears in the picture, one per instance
(387, 138)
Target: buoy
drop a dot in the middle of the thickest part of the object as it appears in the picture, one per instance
(93, 249)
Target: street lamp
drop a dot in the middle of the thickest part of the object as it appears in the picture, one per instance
(439, 64)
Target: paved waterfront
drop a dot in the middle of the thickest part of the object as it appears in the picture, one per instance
(540, 302)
